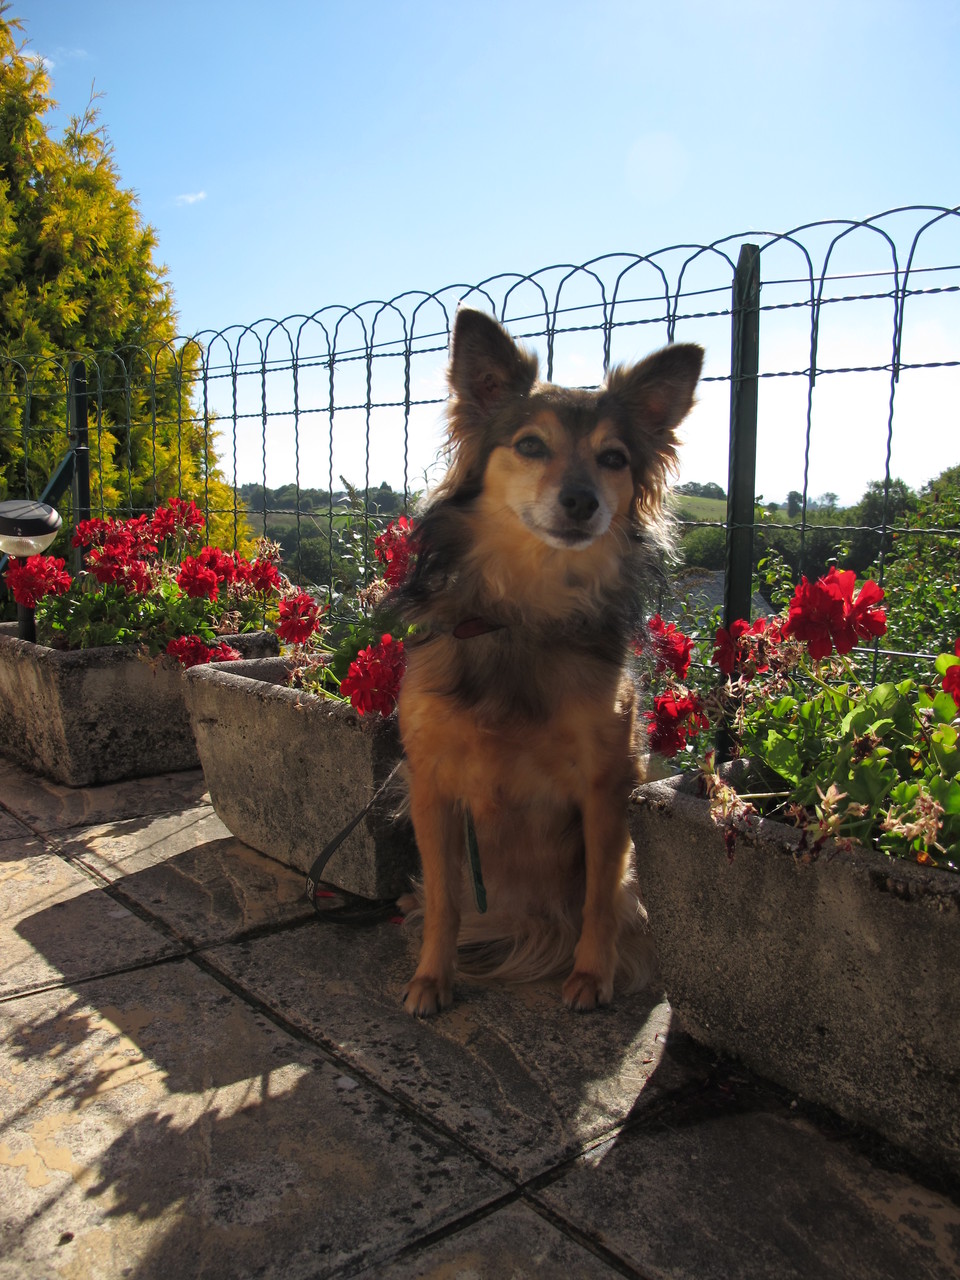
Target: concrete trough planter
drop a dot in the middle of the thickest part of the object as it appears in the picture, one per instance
(288, 770)
(837, 979)
(89, 716)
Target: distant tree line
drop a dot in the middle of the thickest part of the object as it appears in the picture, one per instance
(381, 500)
(695, 490)
(326, 539)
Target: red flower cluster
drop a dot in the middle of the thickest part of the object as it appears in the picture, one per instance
(30, 580)
(198, 580)
(206, 572)
(373, 681)
(825, 615)
(191, 651)
(670, 646)
(116, 539)
(300, 617)
(392, 548)
(178, 519)
(677, 717)
(951, 678)
(119, 568)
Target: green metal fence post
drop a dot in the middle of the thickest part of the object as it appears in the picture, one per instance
(80, 446)
(741, 481)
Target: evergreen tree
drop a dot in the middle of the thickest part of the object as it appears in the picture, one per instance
(78, 279)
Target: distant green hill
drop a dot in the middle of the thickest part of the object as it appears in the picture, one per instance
(682, 506)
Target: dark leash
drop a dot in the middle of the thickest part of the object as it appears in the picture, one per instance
(338, 906)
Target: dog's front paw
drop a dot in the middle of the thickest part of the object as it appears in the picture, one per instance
(426, 996)
(583, 991)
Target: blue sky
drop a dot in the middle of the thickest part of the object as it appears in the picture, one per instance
(298, 154)
(339, 151)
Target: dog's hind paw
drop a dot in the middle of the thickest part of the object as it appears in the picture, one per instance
(427, 996)
(584, 991)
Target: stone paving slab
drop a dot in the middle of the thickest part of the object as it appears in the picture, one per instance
(514, 1243)
(46, 806)
(725, 1185)
(153, 1125)
(187, 870)
(56, 925)
(514, 1074)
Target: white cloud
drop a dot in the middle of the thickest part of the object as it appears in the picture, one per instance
(191, 197)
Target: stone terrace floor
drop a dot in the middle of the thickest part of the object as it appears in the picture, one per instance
(198, 1078)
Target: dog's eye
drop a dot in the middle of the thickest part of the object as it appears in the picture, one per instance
(613, 460)
(531, 447)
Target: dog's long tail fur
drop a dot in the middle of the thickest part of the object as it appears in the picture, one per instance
(505, 947)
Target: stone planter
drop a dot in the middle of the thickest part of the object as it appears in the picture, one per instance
(288, 770)
(86, 716)
(837, 978)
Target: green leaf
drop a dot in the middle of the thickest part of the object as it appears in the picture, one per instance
(944, 662)
(946, 792)
(944, 707)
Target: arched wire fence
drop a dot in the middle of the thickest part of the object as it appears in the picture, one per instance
(832, 365)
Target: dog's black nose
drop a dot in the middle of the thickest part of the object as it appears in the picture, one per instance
(578, 502)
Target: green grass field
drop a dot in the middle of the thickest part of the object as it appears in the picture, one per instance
(684, 507)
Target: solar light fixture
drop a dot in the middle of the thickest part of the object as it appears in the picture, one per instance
(26, 529)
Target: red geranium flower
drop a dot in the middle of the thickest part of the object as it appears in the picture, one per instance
(91, 533)
(120, 539)
(177, 517)
(197, 580)
(137, 578)
(373, 680)
(225, 653)
(863, 615)
(734, 652)
(300, 617)
(951, 678)
(392, 549)
(31, 579)
(119, 569)
(136, 535)
(673, 721)
(824, 614)
(671, 646)
(191, 651)
(730, 651)
(261, 574)
(223, 564)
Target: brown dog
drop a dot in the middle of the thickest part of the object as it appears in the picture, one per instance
(516, 716)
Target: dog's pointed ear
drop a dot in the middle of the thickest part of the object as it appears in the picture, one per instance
(650, 400)
(486, 365)
(657, 394)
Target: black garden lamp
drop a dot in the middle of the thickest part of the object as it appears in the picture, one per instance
(26, 529)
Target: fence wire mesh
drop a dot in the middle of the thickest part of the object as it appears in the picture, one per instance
(315, 425)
